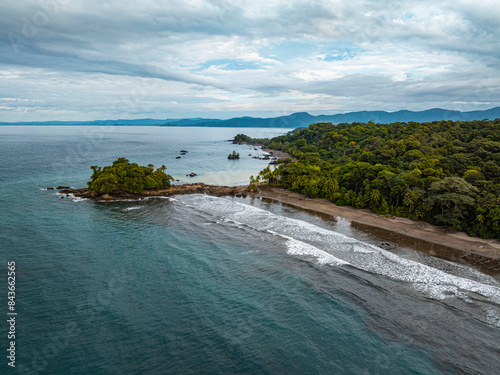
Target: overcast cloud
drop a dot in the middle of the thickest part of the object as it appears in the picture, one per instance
(85, 60)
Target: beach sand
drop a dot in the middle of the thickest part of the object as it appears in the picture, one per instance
(441, 242)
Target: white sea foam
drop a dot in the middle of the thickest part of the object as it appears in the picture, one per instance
(279, 235)
(362, 250)
(132, 208)
(493, 318)
(232, 221)
(296, 247)
(328, 247)
(156, 197)
(78, 199)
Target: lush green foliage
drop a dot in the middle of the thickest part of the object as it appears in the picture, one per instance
(234, 155)
(443, 172)
(131, 177)
(240, 138)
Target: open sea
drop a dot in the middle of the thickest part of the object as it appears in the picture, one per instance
(197, 284)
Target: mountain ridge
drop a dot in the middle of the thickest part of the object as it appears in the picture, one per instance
(294, 120)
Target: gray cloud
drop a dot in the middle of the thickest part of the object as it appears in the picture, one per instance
(245, 57)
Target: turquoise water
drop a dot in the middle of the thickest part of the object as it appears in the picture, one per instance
(207, 285)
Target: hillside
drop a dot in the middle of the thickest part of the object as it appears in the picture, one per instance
(295, 120)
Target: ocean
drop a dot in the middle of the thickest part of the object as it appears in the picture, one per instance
(197, 284)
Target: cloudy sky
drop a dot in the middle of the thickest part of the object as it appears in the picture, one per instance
(86, 60)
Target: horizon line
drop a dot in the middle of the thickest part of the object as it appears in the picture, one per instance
(244, 116)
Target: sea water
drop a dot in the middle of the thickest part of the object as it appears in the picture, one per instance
(215, 285)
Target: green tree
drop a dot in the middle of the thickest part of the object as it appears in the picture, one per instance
(454, 197)
(130, 177)
(400, 168)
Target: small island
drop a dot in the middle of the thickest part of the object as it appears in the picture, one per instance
(235, 155)
(129, 177)
(126, 180)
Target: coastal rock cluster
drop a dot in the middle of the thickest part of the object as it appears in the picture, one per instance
(182, 152)
(196, 188)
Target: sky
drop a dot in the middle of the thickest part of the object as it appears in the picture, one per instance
(89, 60)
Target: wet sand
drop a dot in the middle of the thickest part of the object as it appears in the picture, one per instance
(437, 241)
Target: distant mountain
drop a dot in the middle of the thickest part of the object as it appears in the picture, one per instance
(295, 120)
(434, 114)
(302, 119)
(291, 121)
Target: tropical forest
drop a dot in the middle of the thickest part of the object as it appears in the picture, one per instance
(442, 172)
(127, 176)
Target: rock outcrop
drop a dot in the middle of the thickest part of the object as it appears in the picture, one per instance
(197, 188)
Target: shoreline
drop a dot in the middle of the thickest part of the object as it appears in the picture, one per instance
(194, 188)
(275, 153)
(458, 247)
(436, 241)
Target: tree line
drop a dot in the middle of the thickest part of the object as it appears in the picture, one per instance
(443, 172)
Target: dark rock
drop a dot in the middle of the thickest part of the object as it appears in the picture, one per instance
(50, 189)
(184, 151)
(86, 194)
(178, 157)
(193, 188)
(192, 174)
(62, 187)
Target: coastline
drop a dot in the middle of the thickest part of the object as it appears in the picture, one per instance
(437, 241)
(458, 247)
(275, 153)
(194, 188)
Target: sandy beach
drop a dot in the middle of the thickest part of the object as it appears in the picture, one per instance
(418, 235)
